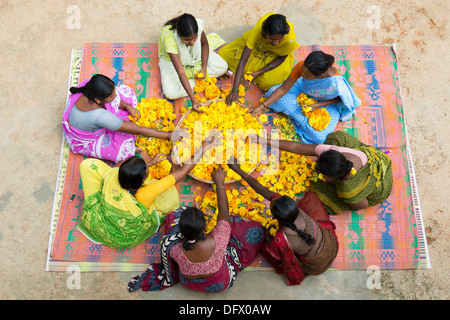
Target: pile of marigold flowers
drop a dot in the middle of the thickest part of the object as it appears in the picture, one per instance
(234, 123)
(208, 87)
(291, 177)
(288, 174)
(319, 119)
(157, 114)
(210, 91)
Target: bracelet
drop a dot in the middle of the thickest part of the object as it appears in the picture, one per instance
(234, 90)
(263, 104)
(270, 66)
(220, 187)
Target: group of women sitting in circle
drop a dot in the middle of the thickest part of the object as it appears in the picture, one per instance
(123, 206)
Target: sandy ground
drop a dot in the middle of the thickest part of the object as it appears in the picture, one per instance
(35, 45)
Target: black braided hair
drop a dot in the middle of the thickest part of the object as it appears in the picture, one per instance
(132, 174)
(318, 62)
(275, 24)
(308, 239)
(185, 25)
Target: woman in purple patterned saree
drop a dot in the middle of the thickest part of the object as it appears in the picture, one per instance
(205, 263)
(96, 120)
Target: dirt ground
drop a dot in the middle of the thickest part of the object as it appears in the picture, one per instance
(35, 44)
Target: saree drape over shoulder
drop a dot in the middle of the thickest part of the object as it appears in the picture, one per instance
(262, 54)
(102, 143)
(320, 90)
(244, 244)
(280, 253)
(112, 215)
(372, 181)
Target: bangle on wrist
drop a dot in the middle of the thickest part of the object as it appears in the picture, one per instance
(220, 187)
(246, 176)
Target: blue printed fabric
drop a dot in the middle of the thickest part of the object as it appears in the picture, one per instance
(320, 90)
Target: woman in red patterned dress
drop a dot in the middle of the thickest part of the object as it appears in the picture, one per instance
(305, 242)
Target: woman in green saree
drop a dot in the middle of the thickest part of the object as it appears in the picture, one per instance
(123, 207)
(355, 175)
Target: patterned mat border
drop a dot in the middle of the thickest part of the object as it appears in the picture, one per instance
(424, 262)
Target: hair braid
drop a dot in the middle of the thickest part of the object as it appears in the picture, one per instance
(308, 239)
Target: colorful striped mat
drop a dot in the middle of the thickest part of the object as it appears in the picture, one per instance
(389, 236)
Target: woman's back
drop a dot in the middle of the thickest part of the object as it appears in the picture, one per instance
(207, 256)
(310, 227)
(93, 120)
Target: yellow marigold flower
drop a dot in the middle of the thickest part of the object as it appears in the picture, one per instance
(263, 118)
(221, 117)
(319, 118)
(157, 114)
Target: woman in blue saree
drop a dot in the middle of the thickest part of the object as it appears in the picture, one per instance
(318, 79)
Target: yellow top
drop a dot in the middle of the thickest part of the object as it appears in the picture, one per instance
(262, 54)
(151, 189)
(254, 39)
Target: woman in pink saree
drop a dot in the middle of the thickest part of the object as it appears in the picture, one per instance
(96, 120)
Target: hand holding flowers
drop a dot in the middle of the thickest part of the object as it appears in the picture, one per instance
(218, 175)
(156, 159)
(134, 112)
(319, 118)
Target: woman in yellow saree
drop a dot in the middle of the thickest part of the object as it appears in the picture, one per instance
(266, 52)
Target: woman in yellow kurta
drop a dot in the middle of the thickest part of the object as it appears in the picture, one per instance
(266, 52)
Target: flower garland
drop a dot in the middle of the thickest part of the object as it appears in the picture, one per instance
(319, 119)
